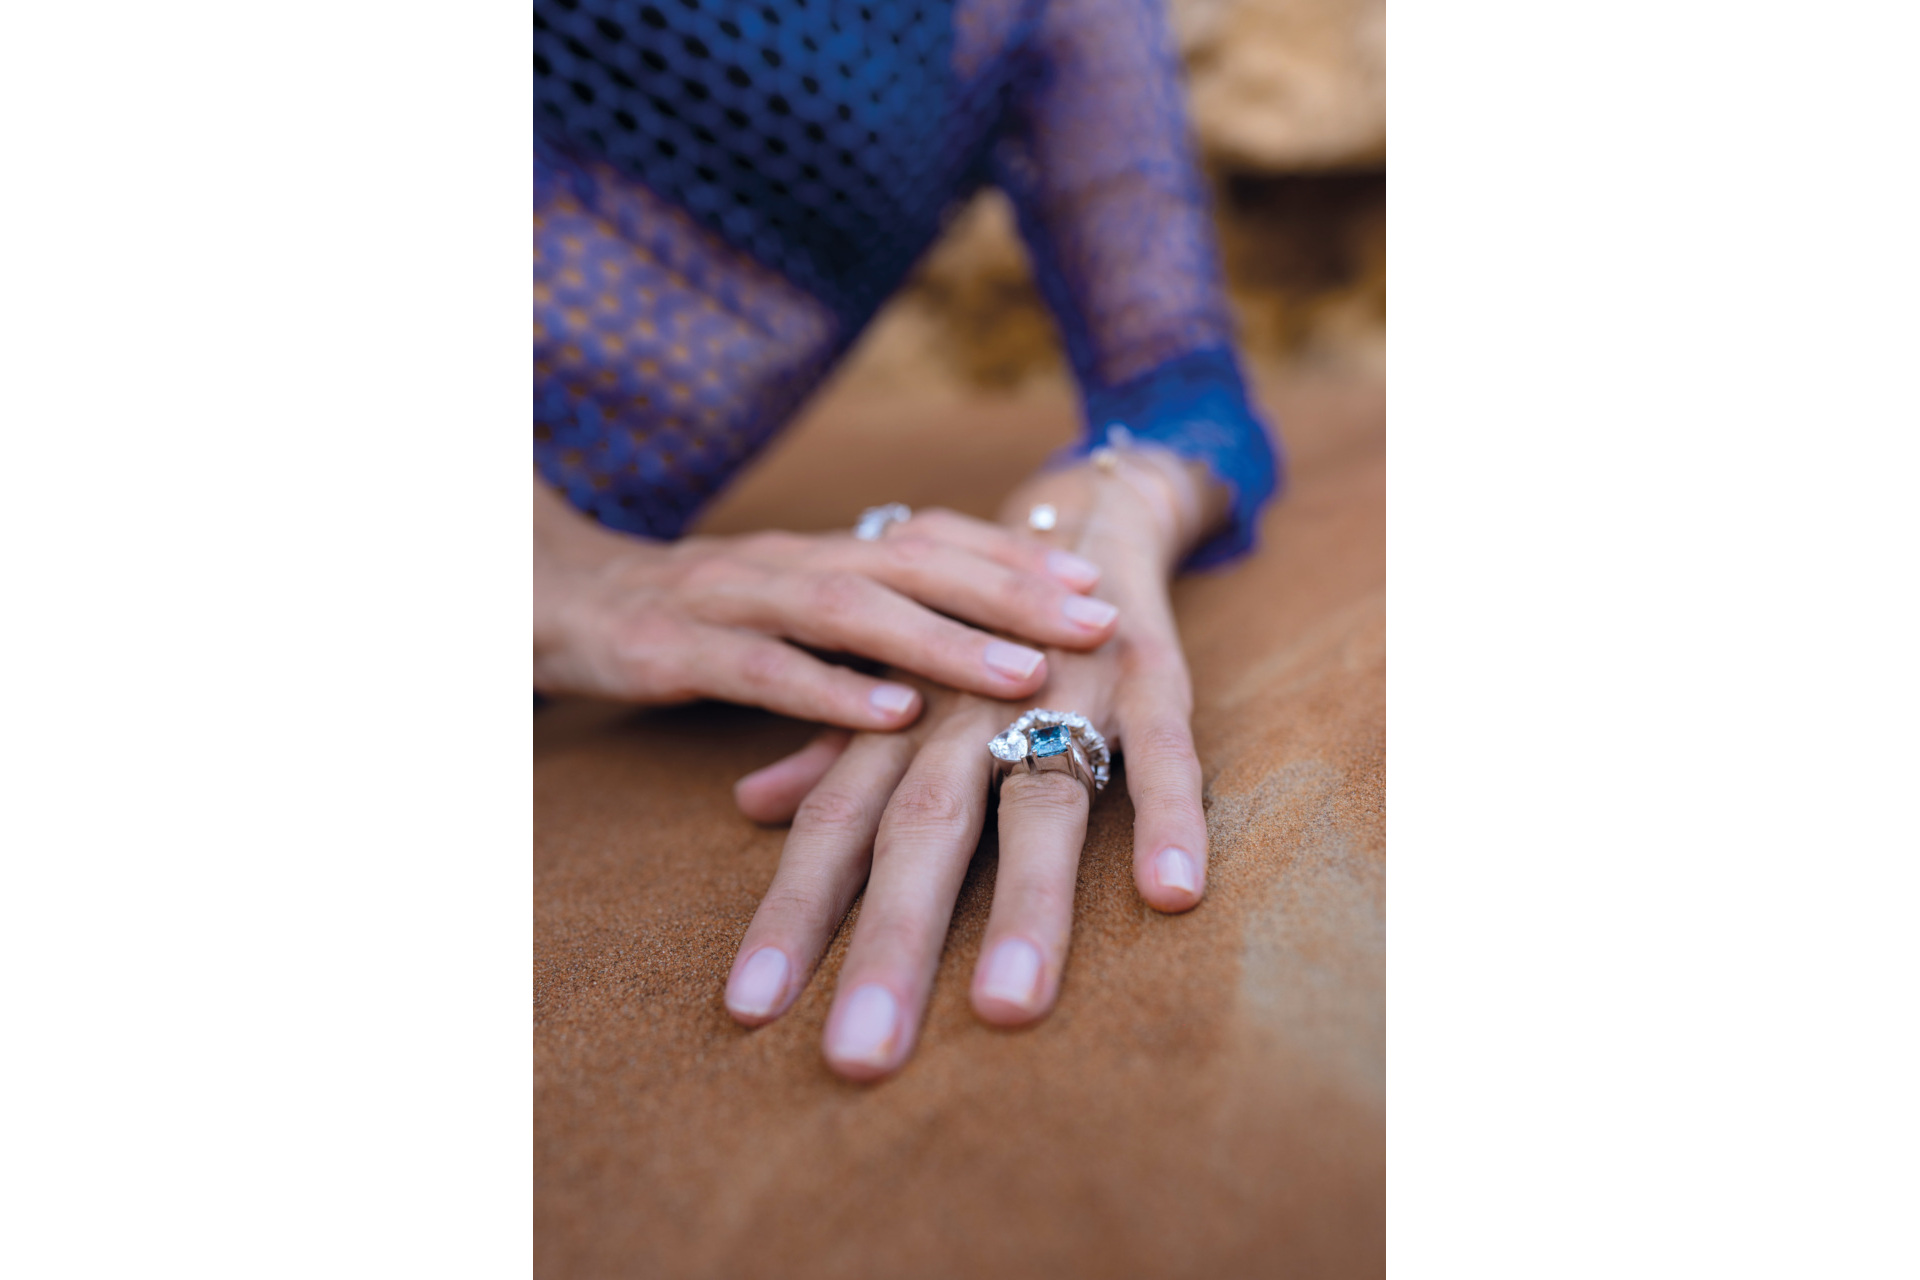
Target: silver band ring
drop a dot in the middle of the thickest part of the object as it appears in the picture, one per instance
(1054, 741)
(874, 520)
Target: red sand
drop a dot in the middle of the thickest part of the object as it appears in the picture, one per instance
(1208, 1098)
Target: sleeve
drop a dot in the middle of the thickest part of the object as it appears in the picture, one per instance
(1096, 157)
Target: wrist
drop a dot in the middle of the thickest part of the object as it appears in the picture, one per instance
(1134, 504)
(574, 558)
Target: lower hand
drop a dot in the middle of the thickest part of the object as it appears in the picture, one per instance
(901, 814)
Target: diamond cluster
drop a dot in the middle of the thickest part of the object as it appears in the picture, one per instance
(1012, 744)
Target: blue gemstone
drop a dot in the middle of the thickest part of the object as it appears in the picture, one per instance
(1050, 742)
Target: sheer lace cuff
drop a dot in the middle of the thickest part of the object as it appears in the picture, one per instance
(1197, 406)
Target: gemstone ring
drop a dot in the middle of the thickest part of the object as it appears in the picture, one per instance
(1057, 742)
(874, 520)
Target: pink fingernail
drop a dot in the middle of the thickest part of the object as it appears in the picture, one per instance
(1088, 612)
(757, 987)
(1076, 571)
(1014, 661)
(864, 1032)
(1013, 973)
(1173, 868)
(891, 699)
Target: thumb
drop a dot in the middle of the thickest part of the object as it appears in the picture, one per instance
(773, 794)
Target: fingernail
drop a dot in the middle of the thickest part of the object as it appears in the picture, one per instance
(1013, 660)
(891, 699)
(1088, 612)
(1013, 973)
(865, 1029)
(1075, 571)
(757, 987)
(1173, 868)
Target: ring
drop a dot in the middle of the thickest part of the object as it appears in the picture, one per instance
(1107, 456)
(874, 520)
(1042, 517)
(1056, 742)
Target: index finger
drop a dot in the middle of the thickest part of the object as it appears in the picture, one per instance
(1006, 546)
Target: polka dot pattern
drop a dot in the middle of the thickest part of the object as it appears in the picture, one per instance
(816, 137)
(726, 191)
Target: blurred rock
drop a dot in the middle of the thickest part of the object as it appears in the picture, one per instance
(1288, 100)
(1286, 85)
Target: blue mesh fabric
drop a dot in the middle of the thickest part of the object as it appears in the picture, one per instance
(725, 192)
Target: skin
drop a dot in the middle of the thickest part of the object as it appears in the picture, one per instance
(900, 814)
(733, 618)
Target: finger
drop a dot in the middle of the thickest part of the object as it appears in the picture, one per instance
(920, 855)
(1169, 825)
(740, 666)
(852, 613)
(980, 590)
(773, 793)
(1043, 825)
(823, 865)
(1003, 545)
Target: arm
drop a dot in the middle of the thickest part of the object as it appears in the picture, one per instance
(1097, 160)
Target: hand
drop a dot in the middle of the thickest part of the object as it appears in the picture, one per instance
(623, 617)
(901, 814)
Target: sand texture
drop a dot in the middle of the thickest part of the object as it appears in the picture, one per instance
(1208, 1098)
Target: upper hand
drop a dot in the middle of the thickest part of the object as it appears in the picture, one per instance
(626, 618)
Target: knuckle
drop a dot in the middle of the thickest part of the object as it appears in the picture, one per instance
(1159, 660)
(705, 575)
(888, 937)
(927, 803)
(829, 810)
(777, 545)
(1049, 796)
(1030, 596)
(1164, 741)
(1046, 899)
(803, 901)
(909, 549)
(837, 595)
(765, 666)
(652, 658)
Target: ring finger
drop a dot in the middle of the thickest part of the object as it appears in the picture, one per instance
(1043, 825)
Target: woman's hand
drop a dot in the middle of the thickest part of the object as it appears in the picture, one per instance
(622, 617)
(901, 814)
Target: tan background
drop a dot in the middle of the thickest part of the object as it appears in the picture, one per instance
(1208, 1098)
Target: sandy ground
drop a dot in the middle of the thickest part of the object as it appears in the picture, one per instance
(1208, 1098)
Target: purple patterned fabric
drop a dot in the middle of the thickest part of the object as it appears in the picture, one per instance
(725, 193)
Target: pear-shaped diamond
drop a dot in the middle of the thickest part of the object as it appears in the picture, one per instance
(1010, 746)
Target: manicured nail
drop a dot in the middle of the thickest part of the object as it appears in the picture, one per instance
(864, 1032)
(1174, 870)
(1013, 973)
(1076, 571)
(1088, 612)
(891, 699)
(757, 987)
(1013, 660)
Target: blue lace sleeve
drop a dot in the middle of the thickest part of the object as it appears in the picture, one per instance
(1098, 161)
